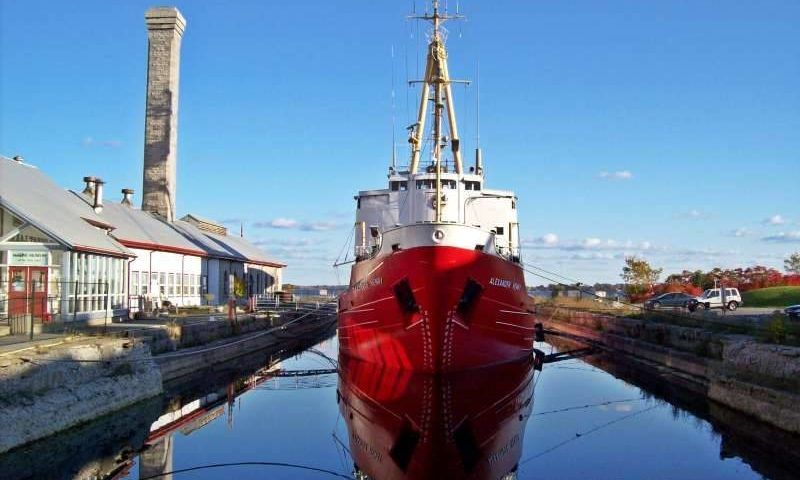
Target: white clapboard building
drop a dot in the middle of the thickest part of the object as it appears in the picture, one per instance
(70, 255)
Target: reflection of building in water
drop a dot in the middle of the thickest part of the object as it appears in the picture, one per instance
(187, 415)
(404, 425)
(157, 459)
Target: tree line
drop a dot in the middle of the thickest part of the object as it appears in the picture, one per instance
(642, 279)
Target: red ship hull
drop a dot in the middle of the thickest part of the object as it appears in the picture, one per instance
(405, 425)
(436, 309)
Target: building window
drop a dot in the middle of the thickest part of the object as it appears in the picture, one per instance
(97, 283)
(186, 284)
(134, 283)
(143, 289)
(171, 288)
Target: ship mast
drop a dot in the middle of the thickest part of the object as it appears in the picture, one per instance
(437, 77)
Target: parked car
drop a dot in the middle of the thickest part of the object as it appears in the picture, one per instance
(793, 312)
(714, 298)
(675, 300)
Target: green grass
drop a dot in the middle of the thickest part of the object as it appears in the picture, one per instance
(772, 297)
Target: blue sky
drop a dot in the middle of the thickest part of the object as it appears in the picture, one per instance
(665, 129)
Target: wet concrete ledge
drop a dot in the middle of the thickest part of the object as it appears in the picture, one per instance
(185, 361)
(770, 451)
(47, 390)
(761, 380)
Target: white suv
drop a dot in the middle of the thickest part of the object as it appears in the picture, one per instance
(716, 298)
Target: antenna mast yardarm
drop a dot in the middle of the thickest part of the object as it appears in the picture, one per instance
(437, 77)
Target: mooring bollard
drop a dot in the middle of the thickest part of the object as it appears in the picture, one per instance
(538, 359)
(231, 310)
(538, 332)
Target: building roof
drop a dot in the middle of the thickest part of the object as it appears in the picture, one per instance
(34, 197)
(205, 224)
(242, 247)
(226, 246)
(135, 228)
(69, 219)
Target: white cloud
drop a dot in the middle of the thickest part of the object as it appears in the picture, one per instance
(741, 232)
(91, 142)
(593, 242)
(783, 237)
(775, 220)
(550, 239)
(619, 175)
(593, 256)
(292, 224)
(319, 226)
(279, 222)
(298, 250)
(288, 242)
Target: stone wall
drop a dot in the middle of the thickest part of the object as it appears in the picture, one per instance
(762, 380)
(186, 333)
(44, 391)
(187, 360)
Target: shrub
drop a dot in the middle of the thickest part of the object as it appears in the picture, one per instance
(776, 329)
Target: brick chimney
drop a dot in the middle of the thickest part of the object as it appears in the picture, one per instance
(165, 27)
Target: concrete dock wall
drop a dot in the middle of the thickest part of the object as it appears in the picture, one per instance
(187, 360)
(49, 390)
(761, 380)
(44, 391)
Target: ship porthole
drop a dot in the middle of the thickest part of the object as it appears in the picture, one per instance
(438, 236)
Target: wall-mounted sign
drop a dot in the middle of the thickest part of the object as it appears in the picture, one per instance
(16, 257)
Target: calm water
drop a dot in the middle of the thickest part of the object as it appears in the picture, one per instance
(572, 419)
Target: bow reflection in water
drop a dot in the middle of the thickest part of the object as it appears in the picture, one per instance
(406, 425)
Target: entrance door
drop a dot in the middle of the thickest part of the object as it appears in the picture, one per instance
(17, 291)
(38, 290)
(27, 291)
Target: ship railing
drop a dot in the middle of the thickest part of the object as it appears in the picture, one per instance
(364, 252)
(448, 165)
(512, 254)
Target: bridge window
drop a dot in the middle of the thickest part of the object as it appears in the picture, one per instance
(431, 184)
(399, 186)
(470, 185)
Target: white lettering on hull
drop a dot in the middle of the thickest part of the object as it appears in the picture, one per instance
(504, 283)
(367, 283)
